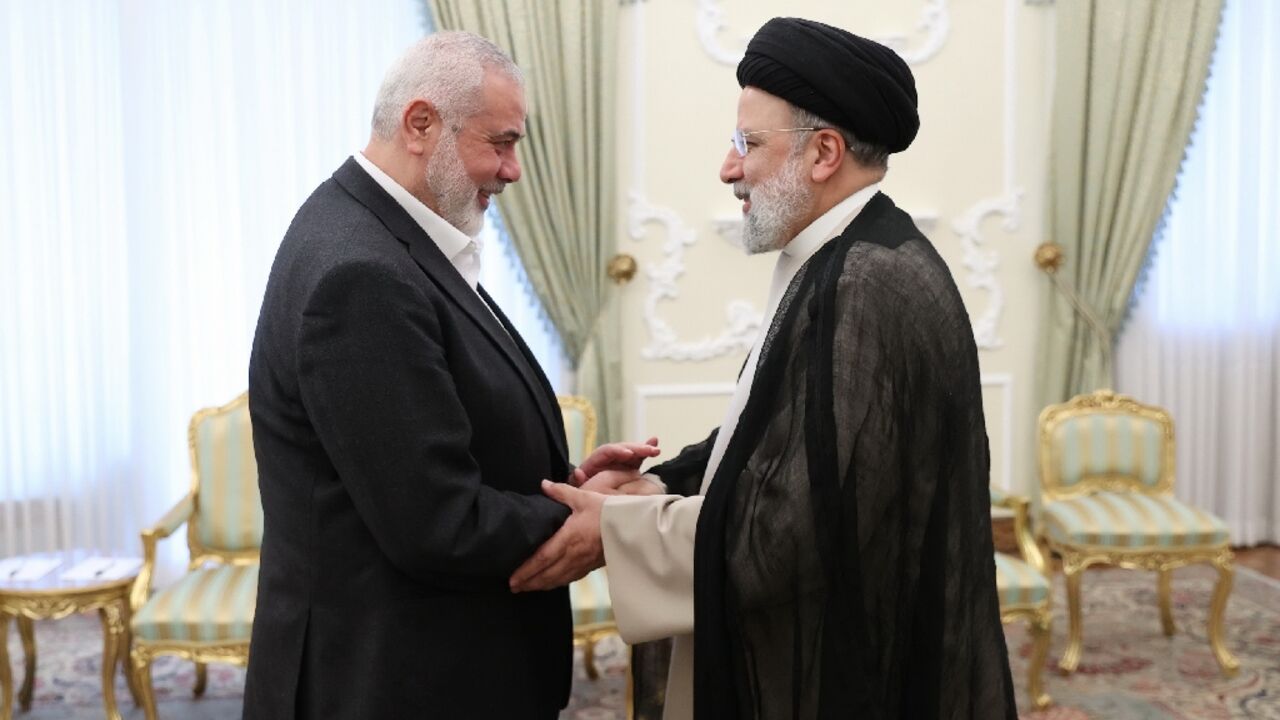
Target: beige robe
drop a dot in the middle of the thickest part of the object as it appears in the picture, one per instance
(648, 540)
(652, 590)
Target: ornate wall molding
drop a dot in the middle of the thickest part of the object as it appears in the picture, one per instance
(742, 318)
(934, 26)
(983, 262)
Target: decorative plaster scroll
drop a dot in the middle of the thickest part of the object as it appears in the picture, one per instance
(983, 262)
(730, 228)
(742, 318)
(935, 24)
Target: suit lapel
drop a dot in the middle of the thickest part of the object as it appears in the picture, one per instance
(549, 408)
(437, 267)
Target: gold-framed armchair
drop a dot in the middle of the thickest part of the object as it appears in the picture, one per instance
(592, 607)
(207, 615)
(1106, 465)
(1023, 587)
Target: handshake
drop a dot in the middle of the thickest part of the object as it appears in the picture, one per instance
(576, 548)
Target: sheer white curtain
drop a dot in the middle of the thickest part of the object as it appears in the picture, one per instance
(1204, 339)
(503, 277)
(153, 154)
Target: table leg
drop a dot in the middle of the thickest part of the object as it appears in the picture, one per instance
(112, 632)
(26, 630)
(6, 675)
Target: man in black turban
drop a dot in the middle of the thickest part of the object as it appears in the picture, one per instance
(829, 545)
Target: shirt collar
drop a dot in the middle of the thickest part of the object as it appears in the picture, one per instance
(829, 224)
(448, 238)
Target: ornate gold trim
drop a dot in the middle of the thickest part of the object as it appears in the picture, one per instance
(57, 604)
(234, 653)
(1027, 545)
(1075, 562)
(110, 599)
(589, 422)
(621, 268)
(187, 510)
(1039, 616)
(145, 652)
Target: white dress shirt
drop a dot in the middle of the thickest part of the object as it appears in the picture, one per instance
(462, 251)
(793, 256)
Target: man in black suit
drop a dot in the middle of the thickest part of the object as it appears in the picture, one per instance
(402, 427)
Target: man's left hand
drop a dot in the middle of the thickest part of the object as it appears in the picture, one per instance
(575, 549)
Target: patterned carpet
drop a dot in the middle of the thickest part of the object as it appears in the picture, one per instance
(1129, 671)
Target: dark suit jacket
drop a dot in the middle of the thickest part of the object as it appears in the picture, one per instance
(401, 433)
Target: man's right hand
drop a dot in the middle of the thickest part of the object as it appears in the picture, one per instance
(622, 482)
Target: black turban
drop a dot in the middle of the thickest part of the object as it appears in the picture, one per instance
(849, 81)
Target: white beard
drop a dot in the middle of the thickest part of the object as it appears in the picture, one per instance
(777, 204)
(455, 193)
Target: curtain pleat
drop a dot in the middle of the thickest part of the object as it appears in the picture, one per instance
(561, 216)
(1204, 339)
(154, 154)
(1129, 76)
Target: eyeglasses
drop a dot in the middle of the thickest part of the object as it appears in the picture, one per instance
(740, 138)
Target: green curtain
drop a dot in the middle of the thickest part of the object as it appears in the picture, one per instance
(1130, 76)
(561, 215)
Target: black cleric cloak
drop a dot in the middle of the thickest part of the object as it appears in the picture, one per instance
(843, 557)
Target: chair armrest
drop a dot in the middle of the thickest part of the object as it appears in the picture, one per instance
(169, 522)
(999, 498)
(1021, 508)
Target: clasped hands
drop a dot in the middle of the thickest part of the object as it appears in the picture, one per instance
(576, 548)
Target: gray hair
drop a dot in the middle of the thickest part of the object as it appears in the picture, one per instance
(447, 70)
(868, 155)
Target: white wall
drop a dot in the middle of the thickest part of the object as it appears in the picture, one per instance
(974, 179)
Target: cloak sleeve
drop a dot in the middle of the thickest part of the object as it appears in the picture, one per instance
(682, 474)
(648, 550)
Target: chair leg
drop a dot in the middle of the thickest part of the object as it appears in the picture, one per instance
(126, 650)
(142, 673)
(1039, 652)
(589, 657)
(202, 679)
(6, 675)
(1165, 593)
(26, 631)
(112, 634)
(1075, 621)
(1217, 609)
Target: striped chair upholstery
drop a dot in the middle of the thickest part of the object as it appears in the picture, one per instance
(228, 507)
(1019, 583)
(207, 615)
(1110, 445)
(589, 597)
(1131, 520)
(1023, 588)
(1106, 474)
(207, 605)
